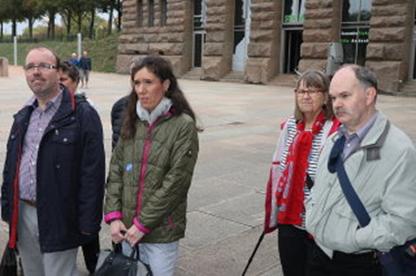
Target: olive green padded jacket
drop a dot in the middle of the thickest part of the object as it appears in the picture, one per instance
(150, 175)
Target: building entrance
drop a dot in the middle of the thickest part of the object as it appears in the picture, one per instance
(198, 46)
(199, 33)
(241, 34)
(292, 34)
(293, 41)
(354, 30)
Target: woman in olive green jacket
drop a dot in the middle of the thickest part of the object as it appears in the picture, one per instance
(152, 165)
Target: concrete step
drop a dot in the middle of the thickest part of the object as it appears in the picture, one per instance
(408, 89)
(234, 76)
(194, 74)
(288, 80)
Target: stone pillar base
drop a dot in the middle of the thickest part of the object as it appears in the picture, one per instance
(4, 67)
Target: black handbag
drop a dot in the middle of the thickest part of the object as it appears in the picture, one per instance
(115, 263)
(400, 260)
(8, 265)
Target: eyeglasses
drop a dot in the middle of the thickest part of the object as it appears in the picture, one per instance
(41, 66)
(310, 92)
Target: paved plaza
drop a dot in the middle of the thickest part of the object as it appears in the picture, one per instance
(241, 125)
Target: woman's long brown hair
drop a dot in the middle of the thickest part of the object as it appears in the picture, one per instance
(163, 70)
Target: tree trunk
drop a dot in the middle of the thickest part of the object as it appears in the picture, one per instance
(51, 24)
(68, 23)
(79, 22)
(14, 23)
(30, 21)
(120, 14)
(91, 31)
(52, 20)
(110, 20)
(1, 30)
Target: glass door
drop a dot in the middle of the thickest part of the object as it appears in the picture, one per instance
(292, 34)
(199, 32)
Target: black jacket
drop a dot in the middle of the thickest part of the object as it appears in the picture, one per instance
(70, 174)
(117, 117)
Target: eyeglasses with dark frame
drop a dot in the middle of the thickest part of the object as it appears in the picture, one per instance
(41, 66)
(310, 92)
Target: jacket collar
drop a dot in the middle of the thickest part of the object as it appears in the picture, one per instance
(375, 137)
(66, 107)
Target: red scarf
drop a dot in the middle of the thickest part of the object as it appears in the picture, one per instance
(290, 188)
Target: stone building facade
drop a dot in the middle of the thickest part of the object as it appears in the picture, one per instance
(263, 39)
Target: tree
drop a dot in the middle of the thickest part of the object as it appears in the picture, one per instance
(31, 11)
(3, 17)
(13, 9)
(51, 9)
(107, 6)
(119, 8)
(66, 14)
(90, 7)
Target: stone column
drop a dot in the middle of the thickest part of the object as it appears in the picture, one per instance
(130, 42)
(218, 49)
(321, 27)
(390, 38)
(173, 41)
(264, 47)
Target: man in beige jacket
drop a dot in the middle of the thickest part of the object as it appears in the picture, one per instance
(380, 162)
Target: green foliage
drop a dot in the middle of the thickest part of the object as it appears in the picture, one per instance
(77, 14)
(103, 52)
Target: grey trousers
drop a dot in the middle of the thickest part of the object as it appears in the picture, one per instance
(62, 263)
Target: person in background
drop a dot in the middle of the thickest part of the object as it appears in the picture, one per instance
(379, 160)
(117, 117)
(151, 167)
(293, 169)
(54, 173)
(74, 60)
(85, 67)
(69, 77)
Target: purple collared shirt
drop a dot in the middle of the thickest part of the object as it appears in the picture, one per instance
(38, 122)
(353, 141)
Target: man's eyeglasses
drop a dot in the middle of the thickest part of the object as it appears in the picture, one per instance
(41, 66)
(310, 92)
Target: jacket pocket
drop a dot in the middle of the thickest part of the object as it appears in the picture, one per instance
(64, 147)
(64, 136)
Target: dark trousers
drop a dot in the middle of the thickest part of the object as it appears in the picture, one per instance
(293, 244)
(342, 264)
(91, 250)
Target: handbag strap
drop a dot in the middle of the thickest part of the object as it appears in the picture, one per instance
(336, 163)
(117, 248)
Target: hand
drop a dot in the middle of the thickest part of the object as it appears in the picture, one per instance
(118, 229)
(133, 235)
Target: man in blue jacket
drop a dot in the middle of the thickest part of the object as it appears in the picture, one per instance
(54, 173)
(85, 67)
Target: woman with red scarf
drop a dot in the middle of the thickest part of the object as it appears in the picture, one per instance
(294, 166)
